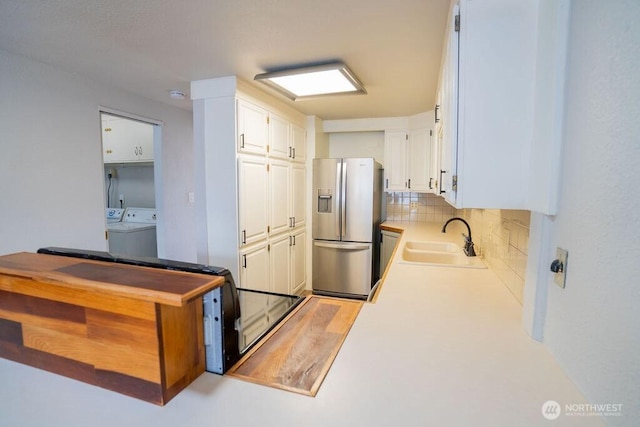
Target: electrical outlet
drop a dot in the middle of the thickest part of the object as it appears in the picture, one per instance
(113, 173)
(121, 198)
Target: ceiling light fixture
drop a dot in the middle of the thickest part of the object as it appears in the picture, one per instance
(313, 81)
(177, 94)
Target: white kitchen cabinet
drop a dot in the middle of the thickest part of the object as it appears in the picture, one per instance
(487, 103)
(126, 140)
(279, 196)
(298, 261)
(395, 160)
(279, 137)
(298, 195)
(407, 160)
(252, 199)
(419, 160)
(388, 241)
(280, 265)
(298, 144)
(253, 128)
(249, 177)
(254, 267)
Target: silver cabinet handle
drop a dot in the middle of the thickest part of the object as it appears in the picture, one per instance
(242, 140)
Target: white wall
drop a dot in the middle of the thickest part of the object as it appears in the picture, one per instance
(593, 325)
(134, 182)
(357, 144)
(51, 172)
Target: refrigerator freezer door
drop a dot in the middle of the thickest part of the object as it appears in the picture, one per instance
(327, 195)
(358, 193)
(346, 268)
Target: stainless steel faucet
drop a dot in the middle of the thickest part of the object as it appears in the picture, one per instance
(468, 243)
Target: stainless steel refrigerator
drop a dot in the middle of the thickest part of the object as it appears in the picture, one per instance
(346, 218)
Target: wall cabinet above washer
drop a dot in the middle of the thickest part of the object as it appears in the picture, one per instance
(126, 140)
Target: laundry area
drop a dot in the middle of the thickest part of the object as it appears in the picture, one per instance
(128, 158)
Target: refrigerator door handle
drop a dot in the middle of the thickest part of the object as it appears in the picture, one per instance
(343, 193)
(354, 246)
(339, 199)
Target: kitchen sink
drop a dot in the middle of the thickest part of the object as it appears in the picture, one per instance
(432, 247)
(438, 254)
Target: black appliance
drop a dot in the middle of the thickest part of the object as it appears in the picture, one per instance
(227, 333)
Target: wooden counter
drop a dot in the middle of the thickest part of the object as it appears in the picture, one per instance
(134, 330)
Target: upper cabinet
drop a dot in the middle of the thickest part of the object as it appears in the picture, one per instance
(486, 102)
(395, 160)
(408, 160)
(126, 140)
(419, 160)
(253, 128)
(298, 150)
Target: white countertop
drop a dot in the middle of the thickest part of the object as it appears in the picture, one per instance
(440, 347)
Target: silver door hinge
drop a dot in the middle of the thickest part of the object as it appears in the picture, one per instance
(454, 183)
(456, 23)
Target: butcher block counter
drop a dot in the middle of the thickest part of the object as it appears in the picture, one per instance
(130, 329)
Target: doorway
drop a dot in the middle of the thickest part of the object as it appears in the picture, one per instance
(131, 147)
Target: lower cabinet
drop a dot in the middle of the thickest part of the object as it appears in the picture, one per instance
(254, 267)
(388, 241)
(277, 265)
(280, 264)
(298, 263)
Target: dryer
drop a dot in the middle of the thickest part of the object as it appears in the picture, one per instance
(135, 234)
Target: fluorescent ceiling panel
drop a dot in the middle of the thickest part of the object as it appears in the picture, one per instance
(311, 82)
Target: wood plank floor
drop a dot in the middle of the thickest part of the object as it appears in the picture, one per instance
(297, 355)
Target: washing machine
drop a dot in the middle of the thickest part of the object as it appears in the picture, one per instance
(134, 234)
(114, 215)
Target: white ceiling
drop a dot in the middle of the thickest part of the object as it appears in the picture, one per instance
(151, 46)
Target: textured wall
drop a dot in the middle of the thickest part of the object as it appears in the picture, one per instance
(592, 325)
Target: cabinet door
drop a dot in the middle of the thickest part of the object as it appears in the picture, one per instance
(298, 144)
(252, 199)
(387, 246)
(279, 142)
(449, 122)
(280, 265)
(254, 268)
(395, 160)
(298, 194)
(279, 200)
(253, 128)
(126, 140)
(145, 142)
(419, 161)
(298, 261)
(117, 147)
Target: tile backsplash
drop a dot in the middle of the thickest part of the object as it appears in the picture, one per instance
(501, 237)
(425, 207)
